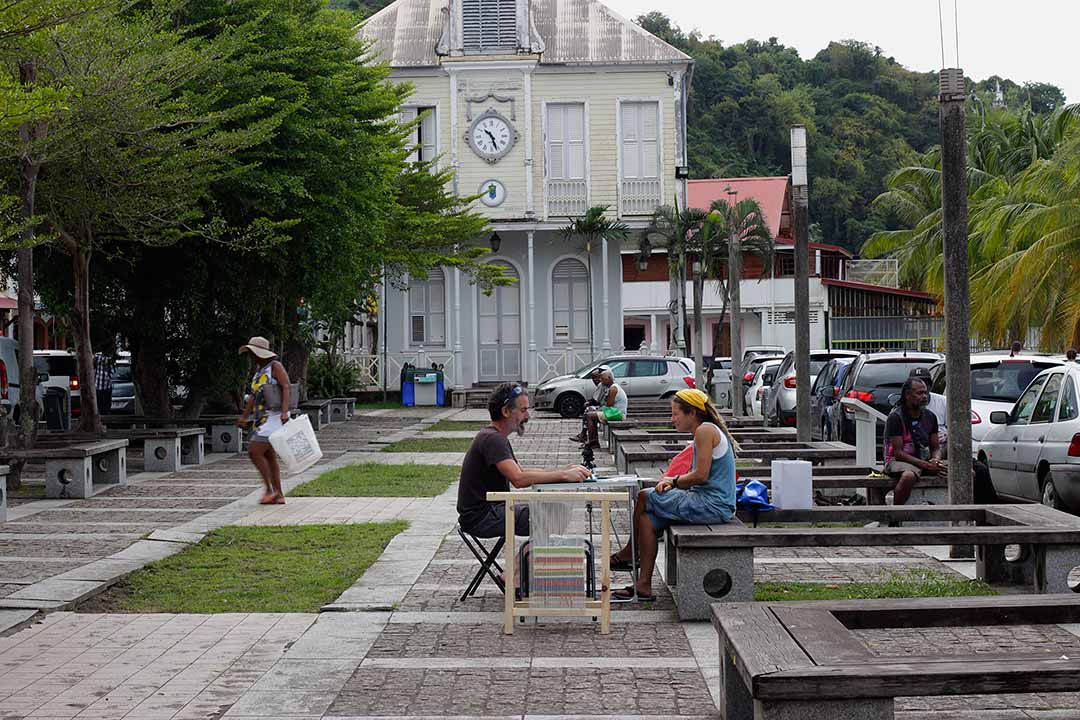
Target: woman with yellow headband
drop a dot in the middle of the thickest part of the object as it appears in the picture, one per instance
(704, 495)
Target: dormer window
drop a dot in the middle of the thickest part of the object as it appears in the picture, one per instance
(489, 25)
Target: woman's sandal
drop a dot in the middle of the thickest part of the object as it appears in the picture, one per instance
(627, 594)
(620, 565)
(268, 499)
(279, 499)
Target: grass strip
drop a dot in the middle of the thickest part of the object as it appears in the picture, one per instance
(429, 445)
(379, 405)
(253, 570)
(379, 480)
(917, 583)
(458, 426)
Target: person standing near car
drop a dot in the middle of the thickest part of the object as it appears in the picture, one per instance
(268, 400)
(911, 441)
(104, 367)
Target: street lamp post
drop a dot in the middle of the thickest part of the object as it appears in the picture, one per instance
(957, 309)
(735, 332)
(801, 196)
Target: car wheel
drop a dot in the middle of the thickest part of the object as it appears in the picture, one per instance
(570, 405)
(1048, 494)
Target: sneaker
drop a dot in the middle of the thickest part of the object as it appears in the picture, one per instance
(580, 438)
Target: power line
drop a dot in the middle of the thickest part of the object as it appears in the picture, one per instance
(956, 24)
(941, 30)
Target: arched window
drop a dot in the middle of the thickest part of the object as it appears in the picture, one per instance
(570, 301)
(427, 309)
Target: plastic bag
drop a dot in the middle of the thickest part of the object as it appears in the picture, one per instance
(611, 414)
(755, 496)
(296, 446)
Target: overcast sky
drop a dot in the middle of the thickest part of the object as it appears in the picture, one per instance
(1018, 40)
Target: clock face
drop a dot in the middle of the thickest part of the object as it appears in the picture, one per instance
(491, 136)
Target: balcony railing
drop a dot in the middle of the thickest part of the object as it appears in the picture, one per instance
(566, 198)
(640, 197)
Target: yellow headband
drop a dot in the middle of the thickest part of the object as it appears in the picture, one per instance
(695, 398)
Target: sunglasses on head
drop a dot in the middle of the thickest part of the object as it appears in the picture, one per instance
(514, 392)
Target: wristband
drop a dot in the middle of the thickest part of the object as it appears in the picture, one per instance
(675, 482)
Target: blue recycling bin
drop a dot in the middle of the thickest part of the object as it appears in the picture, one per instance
(408, 386)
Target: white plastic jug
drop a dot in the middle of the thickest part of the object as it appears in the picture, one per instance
(296, 446)
(792, 484)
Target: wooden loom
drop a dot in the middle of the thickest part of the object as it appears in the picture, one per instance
(601, 608)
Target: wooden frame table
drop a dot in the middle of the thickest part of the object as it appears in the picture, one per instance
(513, 609)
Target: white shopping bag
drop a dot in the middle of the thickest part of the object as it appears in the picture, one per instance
(792, 486)
(296, 446)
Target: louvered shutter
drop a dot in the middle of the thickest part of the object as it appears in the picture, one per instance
(489, 24)
(631, 144)
(650, 140)
(557, 142)
(427, 141)
(570, 301)
(408, 114)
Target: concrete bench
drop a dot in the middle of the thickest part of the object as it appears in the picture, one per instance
(662, 421)
(318, 412)
(72, 469)
(647, 456)
(166, 449)
(225, 437)
(3, 492)
(759, 439)
(715, 563)
(803, 660)
(341, 409)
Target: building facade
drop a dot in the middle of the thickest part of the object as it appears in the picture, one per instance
(544, 108)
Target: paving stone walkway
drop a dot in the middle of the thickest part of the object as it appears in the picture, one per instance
(399, 643)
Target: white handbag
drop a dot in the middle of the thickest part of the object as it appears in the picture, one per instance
(296, 446)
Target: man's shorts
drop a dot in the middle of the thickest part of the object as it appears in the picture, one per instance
(492, 523)
(896, 468)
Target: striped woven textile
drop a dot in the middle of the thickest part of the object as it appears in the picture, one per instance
(558, 572)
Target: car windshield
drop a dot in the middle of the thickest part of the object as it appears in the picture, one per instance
(122, 374)
(888, 373)
(769, 375)
(56, 365)
(1003, 381)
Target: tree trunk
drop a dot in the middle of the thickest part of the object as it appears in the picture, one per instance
(195, 402)
(29, 167)
(734, 276)
(148, 359)
(297, 354)
(1076, 335)
(89, 418)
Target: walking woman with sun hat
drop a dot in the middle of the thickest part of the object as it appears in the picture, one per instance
(268, 409)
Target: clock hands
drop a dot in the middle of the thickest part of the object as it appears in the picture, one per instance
(494, 144)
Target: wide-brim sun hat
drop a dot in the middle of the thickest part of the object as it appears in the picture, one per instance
(259, 347)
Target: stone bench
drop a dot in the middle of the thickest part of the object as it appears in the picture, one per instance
(650, 455)
(166, 449)
(711, 563)
(662, 421)
(341, 409)
(225, 437)
(804, 661)
(3, 492)
(620, 438)
(72, 469)
(318, 412)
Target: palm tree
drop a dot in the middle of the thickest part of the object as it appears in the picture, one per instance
(744, 223)
(673, 229)
(594, 226)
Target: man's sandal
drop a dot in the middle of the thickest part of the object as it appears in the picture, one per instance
(627, 594)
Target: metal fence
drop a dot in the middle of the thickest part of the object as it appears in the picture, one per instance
(870, 334)
(875, 272)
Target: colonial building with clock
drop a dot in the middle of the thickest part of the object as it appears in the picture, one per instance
(542, 108)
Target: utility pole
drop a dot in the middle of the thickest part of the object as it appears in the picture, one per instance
(957, 309)
(800, 193)
(734, 274)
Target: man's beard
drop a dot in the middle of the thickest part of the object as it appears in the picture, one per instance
(521, 428)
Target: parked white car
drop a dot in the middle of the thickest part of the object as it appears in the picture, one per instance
(644, 376)
(63, 371)
(763, 378)
(1033, 450)
(997, 379)
(783, 395)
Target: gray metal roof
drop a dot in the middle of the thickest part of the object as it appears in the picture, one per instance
(406, 34)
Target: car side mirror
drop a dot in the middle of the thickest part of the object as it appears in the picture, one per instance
(999, 417)
(42, 378)
(894, 398)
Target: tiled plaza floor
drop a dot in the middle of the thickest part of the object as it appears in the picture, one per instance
(400, 643)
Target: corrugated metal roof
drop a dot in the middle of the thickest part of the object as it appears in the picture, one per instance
(406, 33)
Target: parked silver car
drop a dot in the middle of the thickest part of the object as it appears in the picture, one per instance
(1033, 451)
(648, 376)
(763, 378)
(781, 407)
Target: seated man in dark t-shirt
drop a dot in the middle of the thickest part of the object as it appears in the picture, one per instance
(911, 441)
(490, 466)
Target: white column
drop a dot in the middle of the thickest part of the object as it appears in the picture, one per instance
(454, 127)
(528, 112)
(654, 346)
(531, 370)
(606, 344)
(459, 370)
(405, 315)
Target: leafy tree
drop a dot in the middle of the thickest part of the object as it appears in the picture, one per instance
(594, 227)
(675, 229)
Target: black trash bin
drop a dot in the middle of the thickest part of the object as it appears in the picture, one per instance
(57, 414)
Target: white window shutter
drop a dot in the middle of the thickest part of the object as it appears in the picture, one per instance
(631, 145)
(428, 142)
(408, 114)
(650, 141)
(556, 141)
(575, 141)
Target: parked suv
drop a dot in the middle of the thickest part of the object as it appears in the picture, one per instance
(823, 396)
(648, 376)
(63, 372)
(752, 351)
(763, 378)
(1033, 450)
(782, 395)
(873, 378)
(123, 391)
(997, 380)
